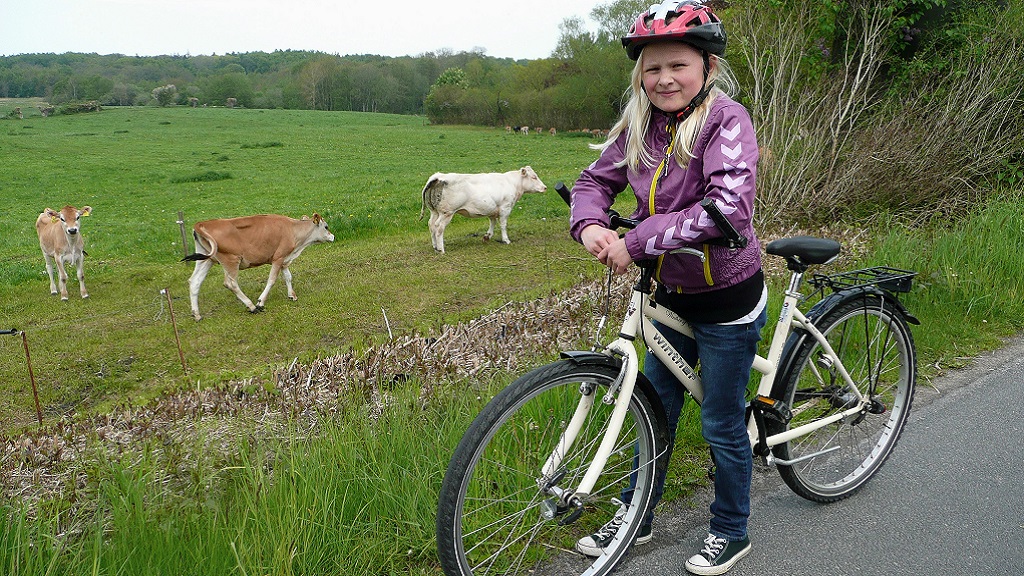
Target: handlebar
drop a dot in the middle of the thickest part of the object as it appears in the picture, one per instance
(615, 220)
(732, 238)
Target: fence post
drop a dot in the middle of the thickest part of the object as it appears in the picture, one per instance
(31, 374)
(177, 340)
(184, 241)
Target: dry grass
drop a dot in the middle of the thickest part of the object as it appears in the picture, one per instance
(841, 147)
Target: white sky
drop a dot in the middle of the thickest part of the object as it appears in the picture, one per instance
(521, 29)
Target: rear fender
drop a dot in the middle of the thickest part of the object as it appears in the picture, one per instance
(824, 306)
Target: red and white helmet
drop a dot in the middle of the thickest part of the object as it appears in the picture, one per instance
(688, 21)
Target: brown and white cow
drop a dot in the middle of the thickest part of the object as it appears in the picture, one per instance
(249, 241)
(61, 241)
(474, 195)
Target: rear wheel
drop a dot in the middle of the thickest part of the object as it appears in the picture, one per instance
(873, 342)
(499, 515)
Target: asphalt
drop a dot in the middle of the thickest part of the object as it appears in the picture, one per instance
(949, 501)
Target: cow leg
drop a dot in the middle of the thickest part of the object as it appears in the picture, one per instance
(490, 229)
(62, 275)
(198, 275)
(288, 282)
(437, 230)
(81, 277)
(503, 218)
(49, 272)
(231, 282)
(430, 226)
(275, 269)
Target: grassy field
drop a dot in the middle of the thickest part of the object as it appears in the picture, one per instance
(139, 167)
(349, 487)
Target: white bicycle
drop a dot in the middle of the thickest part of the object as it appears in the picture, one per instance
(545, 461)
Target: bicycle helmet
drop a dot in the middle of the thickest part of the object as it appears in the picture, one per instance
(689, 21)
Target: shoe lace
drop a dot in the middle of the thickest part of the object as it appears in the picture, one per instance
(612, 526)
(713, 545)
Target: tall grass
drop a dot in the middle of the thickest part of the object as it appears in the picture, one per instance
(355, 497)
(356, 494)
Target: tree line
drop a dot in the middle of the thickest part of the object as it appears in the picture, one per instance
(844, 93)
(280, 79)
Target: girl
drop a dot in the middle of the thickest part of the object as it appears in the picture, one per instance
(681, 139)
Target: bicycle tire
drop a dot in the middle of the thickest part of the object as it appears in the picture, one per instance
(489, 518)
(873, 341)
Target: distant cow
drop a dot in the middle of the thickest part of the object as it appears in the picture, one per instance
(474, 195)
(61, 241)
(249, 241)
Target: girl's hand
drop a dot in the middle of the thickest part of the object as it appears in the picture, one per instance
(596, 238)
(606, 245)
(616, 256)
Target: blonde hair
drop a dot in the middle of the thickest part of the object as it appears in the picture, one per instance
(636, 117)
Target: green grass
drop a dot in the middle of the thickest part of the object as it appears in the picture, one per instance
(139, 167)
(354, 493)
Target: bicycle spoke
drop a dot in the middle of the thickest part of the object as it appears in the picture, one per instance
(494, 515)
(876, 350)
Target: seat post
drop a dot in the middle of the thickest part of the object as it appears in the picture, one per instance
(796, 279)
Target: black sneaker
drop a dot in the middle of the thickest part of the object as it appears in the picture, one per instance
(717, 556)
(594, 544)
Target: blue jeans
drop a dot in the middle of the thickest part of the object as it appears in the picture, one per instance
(726, 353)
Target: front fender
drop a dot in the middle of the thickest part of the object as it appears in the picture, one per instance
(589, 358)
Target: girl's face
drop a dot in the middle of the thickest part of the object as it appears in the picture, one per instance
(673, 74)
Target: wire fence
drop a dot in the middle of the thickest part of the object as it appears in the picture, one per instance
(65, 375)
(45, 355)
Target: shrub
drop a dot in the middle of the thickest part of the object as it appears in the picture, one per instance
(165, 95)
(838, 142)
(208, 176)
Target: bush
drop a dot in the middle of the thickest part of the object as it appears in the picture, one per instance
(840, 140)
(81, 107)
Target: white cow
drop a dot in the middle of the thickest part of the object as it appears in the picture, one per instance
(475, 195)
(61, 241)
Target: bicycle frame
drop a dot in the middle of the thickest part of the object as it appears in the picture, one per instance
(639, 320)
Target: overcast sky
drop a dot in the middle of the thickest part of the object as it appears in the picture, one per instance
(509, 28)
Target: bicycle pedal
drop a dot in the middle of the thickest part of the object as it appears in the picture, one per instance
(772, 408)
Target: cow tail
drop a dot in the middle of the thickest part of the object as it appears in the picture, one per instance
(431, 194)
(201, 243)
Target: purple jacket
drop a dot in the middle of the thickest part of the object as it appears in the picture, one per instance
(724, 169)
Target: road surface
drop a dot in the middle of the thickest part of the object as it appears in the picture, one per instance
(949, 501)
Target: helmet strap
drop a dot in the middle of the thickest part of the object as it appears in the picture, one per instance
(685, 113)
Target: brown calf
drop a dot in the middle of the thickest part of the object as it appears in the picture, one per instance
(61, 241)
(249, 241)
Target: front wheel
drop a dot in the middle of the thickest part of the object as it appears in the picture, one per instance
(498, 514)
(872, 340)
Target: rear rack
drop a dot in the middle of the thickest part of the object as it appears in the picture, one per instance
(889, 279)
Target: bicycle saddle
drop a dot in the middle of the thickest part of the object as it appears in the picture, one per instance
(803, 251)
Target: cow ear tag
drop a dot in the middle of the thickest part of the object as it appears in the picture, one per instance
(53, 218)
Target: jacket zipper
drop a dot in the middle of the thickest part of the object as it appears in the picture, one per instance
(659, 174)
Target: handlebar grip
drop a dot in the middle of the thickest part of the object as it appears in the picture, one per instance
(614, 220)
(563, 192)
(11, 331)
(736, 240)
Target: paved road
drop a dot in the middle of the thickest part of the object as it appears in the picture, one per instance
(949, 501)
